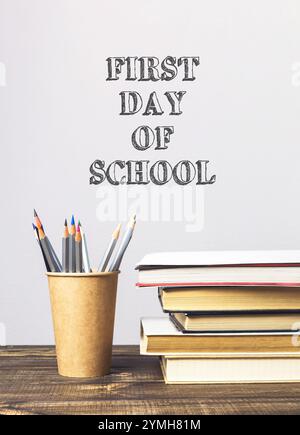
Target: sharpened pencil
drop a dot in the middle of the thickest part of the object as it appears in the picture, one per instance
(37, 220)
(72, 257)
(35, 229)
(47, 251)
(115, 265)
(78, 250)
(110, 249)
(65, 248)
(85, 255)
(39, 225)
(57, 261)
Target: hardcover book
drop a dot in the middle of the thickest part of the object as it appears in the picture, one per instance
(159, 336)
(230, 268)
(233, 299)
(230, 370)
(241, 322)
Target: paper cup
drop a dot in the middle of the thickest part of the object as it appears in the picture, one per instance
(83, 313)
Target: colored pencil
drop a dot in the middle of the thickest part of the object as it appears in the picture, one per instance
(36, 234)
(110, 249)
(47, 251)
(115, 265)
(78, 250)
(39, 225)
(72, 258)
(65, 248)
(75, 256)
(57, 261)
(85, 255)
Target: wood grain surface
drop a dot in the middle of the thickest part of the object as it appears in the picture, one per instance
(29, 384)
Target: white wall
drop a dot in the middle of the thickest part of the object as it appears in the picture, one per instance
(58, 114)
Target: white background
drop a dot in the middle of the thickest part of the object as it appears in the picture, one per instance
(58, 114)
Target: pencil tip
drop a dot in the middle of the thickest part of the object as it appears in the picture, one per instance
(78, 228)
(116, 233)
(132, 221)
(133, 218)
(66, 222)
(79, 223)
(33, 226)
(72, 220)
(34, 212)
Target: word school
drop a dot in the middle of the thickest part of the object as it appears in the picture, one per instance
(160, 173)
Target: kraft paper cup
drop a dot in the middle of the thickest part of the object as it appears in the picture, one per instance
(83, 313)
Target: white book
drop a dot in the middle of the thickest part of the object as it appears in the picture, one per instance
(214, 258)
(220, 268)
(230, 370)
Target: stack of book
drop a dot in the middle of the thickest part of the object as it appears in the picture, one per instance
(233, 316)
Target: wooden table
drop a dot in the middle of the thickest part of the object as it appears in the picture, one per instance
(29, 384)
